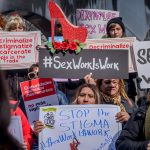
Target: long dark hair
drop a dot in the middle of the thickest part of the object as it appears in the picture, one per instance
(6, 140)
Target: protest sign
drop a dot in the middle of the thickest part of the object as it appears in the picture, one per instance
(115, 43)
(124, 39)
(95, 20)
(142, 59)
(103, 64)
(58, 39)
(15, 128)
(18, 49)
(37, 93)
(93, 126)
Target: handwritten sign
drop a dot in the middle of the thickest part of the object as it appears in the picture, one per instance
(15, 128)
(37, 93)
(18, 49)
(95, 20)
(142, 57)
(115, 43)
(103, 64)
(93, 126)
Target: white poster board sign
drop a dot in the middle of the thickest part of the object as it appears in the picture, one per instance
(15, 128)
(36, 93)
(117, 44)
(95, 20)
(142, 59)
(93, 126)
(18, 49)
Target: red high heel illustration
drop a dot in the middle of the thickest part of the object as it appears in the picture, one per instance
(70, 31)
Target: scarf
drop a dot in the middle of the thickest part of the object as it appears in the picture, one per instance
(116, 100)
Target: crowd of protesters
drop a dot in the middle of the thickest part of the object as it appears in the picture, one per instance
(135, 121)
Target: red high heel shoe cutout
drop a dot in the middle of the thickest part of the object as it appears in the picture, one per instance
(70, 31)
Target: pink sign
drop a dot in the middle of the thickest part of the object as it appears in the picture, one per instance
(18, 49)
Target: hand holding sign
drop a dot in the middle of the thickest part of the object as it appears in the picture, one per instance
(88, 79)
(38, 126)
(122, 117)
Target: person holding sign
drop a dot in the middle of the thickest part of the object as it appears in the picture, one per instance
(116, 29)
(33, 74)
(15, 24)
(27, 131)
(87, 94)
(6, 140)
(112, 91)
(73, 85)
(136, 132)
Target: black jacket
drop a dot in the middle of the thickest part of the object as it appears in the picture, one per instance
(72, 85)
(132, 135)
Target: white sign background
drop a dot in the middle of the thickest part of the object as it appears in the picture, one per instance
(15, 128)
(115, 43)
(94, 126)
(39, 98)
(143, 69)
(33, 113)
(18, 49)
(95, 20)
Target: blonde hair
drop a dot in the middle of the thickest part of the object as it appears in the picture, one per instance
(92, 87)
(121, 91)
(13, 21)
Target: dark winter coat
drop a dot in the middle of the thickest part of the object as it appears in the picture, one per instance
(132, 136)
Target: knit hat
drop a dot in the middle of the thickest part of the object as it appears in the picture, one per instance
(117, 20)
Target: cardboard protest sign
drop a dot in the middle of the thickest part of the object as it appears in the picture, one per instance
(18, 49)
(103, 64)
(15, 128)
(92, 127)
(37, 93)
(115, 43)
(142, 59)
(95, 20)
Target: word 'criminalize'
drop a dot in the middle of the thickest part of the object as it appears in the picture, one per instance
(94, 64)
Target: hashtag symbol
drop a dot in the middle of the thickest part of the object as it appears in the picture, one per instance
(47, 62)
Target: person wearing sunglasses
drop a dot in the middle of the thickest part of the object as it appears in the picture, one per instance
(33, 71)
